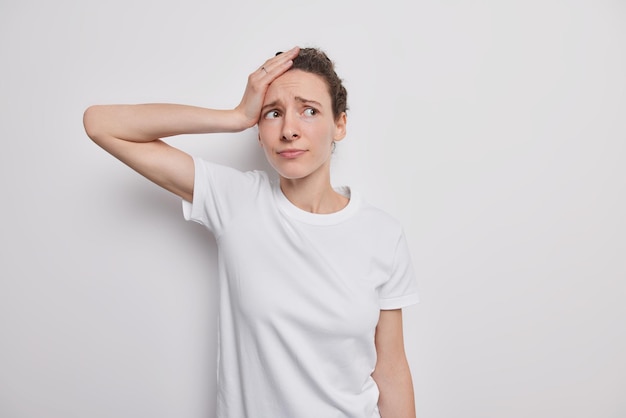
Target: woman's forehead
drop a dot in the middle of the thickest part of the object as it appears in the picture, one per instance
(298, 85)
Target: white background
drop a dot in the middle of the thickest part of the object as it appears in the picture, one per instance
(495, 131)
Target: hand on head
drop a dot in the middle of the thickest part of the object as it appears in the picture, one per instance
(258, 82)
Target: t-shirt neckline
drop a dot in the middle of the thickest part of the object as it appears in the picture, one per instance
(301, 215)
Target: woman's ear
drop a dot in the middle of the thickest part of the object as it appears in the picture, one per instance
(340, 127)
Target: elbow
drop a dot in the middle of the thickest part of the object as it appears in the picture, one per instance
(91, 118)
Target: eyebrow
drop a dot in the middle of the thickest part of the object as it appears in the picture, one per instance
(303, 100)
(297, 98)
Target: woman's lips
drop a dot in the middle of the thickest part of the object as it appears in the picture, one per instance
(291, 153)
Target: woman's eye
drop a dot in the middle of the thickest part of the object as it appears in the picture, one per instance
(272, 114)
(309, 111)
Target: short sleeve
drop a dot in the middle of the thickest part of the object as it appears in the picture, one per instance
(219, 192)
(401, 288)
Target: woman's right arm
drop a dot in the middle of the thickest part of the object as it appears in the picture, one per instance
(132, 133)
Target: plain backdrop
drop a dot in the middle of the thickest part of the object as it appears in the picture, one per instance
(495, 131)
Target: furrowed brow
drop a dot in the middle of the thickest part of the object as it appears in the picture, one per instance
(303, 100)
(269, 106)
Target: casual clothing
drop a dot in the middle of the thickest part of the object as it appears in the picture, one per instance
(300, 296)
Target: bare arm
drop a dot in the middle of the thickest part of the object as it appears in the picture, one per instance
(132, 133)
(392, 373)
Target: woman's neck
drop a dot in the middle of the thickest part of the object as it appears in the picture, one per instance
(313, 195)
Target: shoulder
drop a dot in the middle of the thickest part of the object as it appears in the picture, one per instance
(377, 216)
(211, 172)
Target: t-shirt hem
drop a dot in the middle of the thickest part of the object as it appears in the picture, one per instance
(399, 302)
(191, 211)
(187, 209)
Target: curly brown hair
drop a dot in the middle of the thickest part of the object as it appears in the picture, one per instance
(315, 61)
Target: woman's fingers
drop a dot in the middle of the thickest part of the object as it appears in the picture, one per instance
(259, 81)
(278, 64)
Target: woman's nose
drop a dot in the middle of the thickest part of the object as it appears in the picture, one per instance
(290, 130)
(290, 136)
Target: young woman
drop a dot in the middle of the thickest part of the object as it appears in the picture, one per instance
(312, 278)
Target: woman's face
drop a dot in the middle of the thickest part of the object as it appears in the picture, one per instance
(297, 127)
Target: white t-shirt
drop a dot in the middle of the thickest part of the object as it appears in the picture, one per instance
(300, 296)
